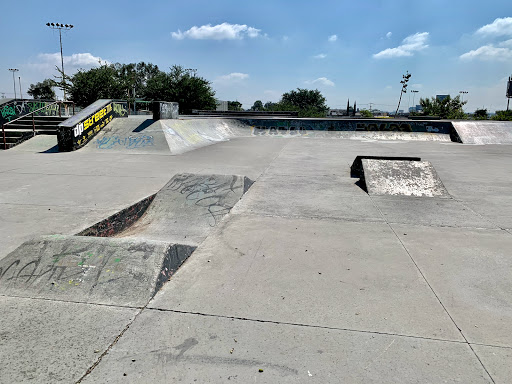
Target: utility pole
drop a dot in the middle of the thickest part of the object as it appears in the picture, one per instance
(14, 70)
(60, 27)
(405, 80)
(21, 94)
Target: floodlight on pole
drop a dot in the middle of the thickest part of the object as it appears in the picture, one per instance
(60, 27)
(462, 95)
(413, 96)
(14, 70)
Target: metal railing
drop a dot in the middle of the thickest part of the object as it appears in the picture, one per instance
(59, 103)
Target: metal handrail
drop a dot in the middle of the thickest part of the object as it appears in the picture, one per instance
(33, 121)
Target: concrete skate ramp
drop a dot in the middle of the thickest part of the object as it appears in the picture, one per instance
(136, 134)
(186, 135)
(183, 211)
(352, 135)
(484, 132)
(90, 270)
(140, 135)
(402, 178)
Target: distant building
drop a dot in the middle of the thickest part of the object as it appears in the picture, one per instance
(337, 112)
(415, 109)
(221, 105)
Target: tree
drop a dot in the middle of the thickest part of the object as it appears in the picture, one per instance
(85, 87)
(234, 106)
(43, 90)
(366, 113)
(503, 115)
(480, 114)
(191, 92)
(309, 103)
(257, 106)
(446, 108)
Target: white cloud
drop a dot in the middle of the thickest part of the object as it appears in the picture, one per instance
(332, 38)
(488, 53)
(499, 27)
(389, 87)
(224, 31)
(409, 46)
(321, 81)
(75, 60)
(506, 43)
(320, 56)
(231, 78)
(388, 35)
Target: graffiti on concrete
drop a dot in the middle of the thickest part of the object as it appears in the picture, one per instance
(18, 108)
(210, 192)
(130, 142)
(292, 127)
(120, 109)
(65, 270)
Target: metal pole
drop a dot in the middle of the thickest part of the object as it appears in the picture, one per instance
(508, 102)
(21, 94)
(14, 82)
(5, 142)
(62, 63)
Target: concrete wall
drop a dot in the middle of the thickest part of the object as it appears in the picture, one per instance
(165, 110)
(384, 125)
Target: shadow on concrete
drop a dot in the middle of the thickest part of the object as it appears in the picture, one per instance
(146, 123)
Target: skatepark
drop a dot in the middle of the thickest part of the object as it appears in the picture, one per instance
(215, 250)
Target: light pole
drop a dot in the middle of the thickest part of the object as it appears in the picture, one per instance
(14, 70)
(60, 27)
(413, 97)
(462, 95)
(19, 81)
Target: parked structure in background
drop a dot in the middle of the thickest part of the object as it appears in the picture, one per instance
(222, 105)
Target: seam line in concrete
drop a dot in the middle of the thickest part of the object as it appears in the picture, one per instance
(363, 221)
(435, 294)
(304, 325)
(83, 175)
(72, 302)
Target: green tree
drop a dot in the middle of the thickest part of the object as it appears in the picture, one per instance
(87, 86)
(503, 115)
(43, 90)
(309, 103)
(366, 113)
(257, 106)
(234, 106)
(480, 114)
(179, 85)
(447, 108)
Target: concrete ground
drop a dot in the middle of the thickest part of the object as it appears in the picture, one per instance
(308, 279)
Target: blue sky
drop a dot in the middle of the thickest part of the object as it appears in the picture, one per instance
(259, 50)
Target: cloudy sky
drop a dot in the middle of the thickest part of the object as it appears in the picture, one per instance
(261, 49)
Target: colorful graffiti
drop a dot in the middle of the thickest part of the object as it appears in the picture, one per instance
(18, 108)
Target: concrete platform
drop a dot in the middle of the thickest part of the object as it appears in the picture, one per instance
(308, 278)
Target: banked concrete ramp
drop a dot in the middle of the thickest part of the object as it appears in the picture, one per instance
(125, 259)
(140, 135)
(90, 270)
(183, 211)
(402, 178)
(484, 132)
